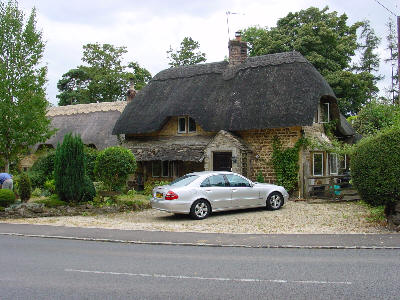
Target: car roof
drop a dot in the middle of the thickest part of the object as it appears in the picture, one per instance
(202, 173)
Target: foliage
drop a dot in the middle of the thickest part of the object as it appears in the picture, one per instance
(376, 213)
(260, 177)
(69, 169)
(88, 191)
(131, 193)
(286, 163)
(23, 101)
(24, 187)
(37, 192)
(104, 78)
(7, 197)
(375, 167)
(376, 116)
(42, 169)
(327, 42)
(113, 165)
(90, 161)
(186, 55)
(369, 58)
(392, 46)
(149, 185)
(50, 186)
(52, 201)
(136, 202)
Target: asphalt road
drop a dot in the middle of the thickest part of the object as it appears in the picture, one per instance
(37, 268)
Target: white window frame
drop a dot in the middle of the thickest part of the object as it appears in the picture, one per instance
(179, 122)
(322, 164)
(188, 125)
(328, 111)
(335, 157)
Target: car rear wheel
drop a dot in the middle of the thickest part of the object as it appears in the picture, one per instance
(200, 209)
(274, 201)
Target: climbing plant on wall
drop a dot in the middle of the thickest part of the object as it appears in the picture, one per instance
(286, 163)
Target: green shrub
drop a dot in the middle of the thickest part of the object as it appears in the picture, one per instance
(37, 192)
(113, 165)
(90, 161)
(7, 197)
(375, 168)
(42, 169)
(52, 201)
(37, 179)
(50, 186)
(89, 192)
(131, 192)
(69, 169)
(24, 187)
(150, 185)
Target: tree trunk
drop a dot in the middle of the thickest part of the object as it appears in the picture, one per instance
(6, 165)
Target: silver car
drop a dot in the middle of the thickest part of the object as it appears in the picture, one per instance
(201, 193)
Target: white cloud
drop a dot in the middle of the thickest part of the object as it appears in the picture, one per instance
(149, 28)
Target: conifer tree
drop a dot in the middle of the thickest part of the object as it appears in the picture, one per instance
(69, 169)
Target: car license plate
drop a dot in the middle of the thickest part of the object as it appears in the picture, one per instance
(159, 195)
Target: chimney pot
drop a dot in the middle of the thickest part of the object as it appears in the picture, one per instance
(131, 93)
(237, 50)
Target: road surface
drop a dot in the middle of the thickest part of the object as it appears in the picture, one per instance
(37, 268)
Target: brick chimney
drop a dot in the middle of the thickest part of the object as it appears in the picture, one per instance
(237, 50)
(131, 93)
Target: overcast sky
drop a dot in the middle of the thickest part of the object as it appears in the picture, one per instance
(148, 28)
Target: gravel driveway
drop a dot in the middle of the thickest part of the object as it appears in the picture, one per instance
(294, 217)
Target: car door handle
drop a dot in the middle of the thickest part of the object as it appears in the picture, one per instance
(208, 191)
(234, 190)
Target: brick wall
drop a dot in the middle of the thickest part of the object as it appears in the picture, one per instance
(260, 142)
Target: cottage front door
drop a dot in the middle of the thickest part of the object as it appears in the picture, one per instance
(222, 161)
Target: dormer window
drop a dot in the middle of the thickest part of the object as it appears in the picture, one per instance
(322, 115)
(182, 125)
(186, 125)
(192, 124)
(325, 113)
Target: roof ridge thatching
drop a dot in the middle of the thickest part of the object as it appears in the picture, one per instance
(228, 71)
(86, 108)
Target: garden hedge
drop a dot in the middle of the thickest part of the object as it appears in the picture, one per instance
(375, 168)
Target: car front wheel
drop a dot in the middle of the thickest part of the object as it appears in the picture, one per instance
(200, 209)
(274, 201)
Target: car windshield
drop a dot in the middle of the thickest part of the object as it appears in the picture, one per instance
(184, 180)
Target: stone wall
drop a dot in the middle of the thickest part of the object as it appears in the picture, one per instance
(226, 142)
(260, 143)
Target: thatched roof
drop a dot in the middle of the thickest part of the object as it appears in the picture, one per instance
(270, 91)
(184, 148)
(93, 122)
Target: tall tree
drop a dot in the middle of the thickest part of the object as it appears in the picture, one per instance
(104, 78)
(394, 52)
(326, 40)
(369, 58)
(23, 104)
(187, 54)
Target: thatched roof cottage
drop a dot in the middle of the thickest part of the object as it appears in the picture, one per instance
(224, 115)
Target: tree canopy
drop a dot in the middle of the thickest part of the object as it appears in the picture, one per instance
(23, 105)
(374, 117)
(186, 54)
(104, 78)
(327, 41)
